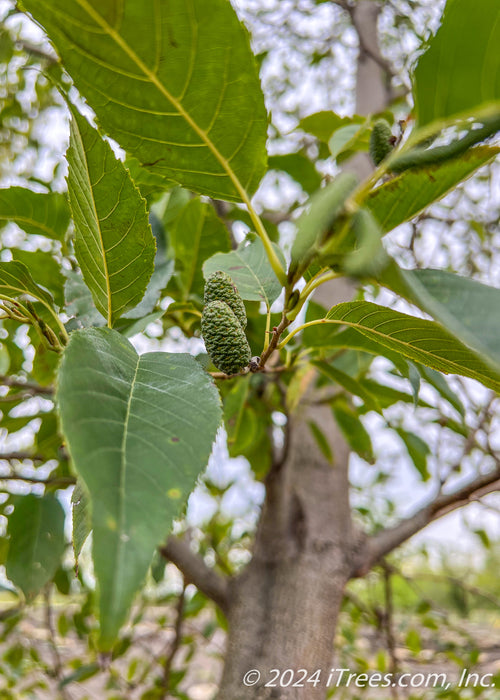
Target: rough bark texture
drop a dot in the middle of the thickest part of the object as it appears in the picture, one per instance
(283, 608)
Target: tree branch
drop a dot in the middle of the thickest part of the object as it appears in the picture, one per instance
(54, 481)
(196, 571)
(29, 387)
(367, 45)
(20, 457)
(384, 542)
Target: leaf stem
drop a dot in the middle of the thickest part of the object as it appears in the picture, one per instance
(320, 278)
(266, 241)
(301, 328)
(268, 327)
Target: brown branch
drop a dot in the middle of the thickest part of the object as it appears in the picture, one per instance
(20, 457)
(276, 334)
(261, 370)
(385, 541)
(372, 52)
(29, 387)
(388, 624)
(57, 670)
(56, 481)
(195, 571)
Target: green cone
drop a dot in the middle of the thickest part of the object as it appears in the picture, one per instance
(220, 287)
(224, 338)
(380, 141)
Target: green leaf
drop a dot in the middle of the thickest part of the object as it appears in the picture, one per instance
(406, 195)
(4, 359)
(323, 124)
(250, 270)
(346, 138)
(466, 308)
(436, 380)
(461, 67)
(413, 338)
(388, 396)
(42, 214)
(324, 207)
(113, 241)
(81, 518)
(132, 327)
(36, 531)
(321, 441)
(45, 269)
(413, 641)
(328, 337)
(159, 280)
(418, 451)
(244, 441)
(139, 431)
(353, 430)
(234, 405)
(174, 83)
(348, 383)
(198, 234)
(368, 256)
(16, 281)
(79, 302)
(299, 167)
(45, 365)
(163, 271)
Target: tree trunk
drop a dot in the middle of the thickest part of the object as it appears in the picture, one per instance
(283, 608)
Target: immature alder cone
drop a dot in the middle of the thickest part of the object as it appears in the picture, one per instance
(220, 287)
(381, 141)
(224, 338)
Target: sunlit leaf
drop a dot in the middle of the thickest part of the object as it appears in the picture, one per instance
(175, 83)
(461, 67)
(409, 337)
(323, 208)
(40, 213)
(44, 269)
(250, 270)
(406, 195)
(323, 124)
(113, 241)
(299, 167)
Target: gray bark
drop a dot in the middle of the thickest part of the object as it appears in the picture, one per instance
(283, 608)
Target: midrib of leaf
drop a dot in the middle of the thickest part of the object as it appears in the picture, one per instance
(163, 90)
(103, 250)
(118, 572)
